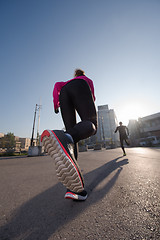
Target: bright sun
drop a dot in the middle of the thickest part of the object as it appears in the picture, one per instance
(131, 111)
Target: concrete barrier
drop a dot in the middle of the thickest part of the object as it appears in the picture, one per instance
(34, 151)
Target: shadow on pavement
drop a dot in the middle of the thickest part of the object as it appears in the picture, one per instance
(41, 216)
(13, 157)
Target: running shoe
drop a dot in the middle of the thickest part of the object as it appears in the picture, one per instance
(60, 147)
(82, 196)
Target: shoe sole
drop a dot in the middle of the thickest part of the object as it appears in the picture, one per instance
(67, 170)
(75, 196)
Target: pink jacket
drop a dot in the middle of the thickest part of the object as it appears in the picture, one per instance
(58, 86)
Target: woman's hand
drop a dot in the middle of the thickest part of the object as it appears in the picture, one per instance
(56, 110)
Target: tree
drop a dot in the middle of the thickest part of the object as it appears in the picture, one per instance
(10, 141)
(2, 142)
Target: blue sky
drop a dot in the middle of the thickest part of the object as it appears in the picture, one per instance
(117, 43)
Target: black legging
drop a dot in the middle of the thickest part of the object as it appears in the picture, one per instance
(122, 139)
(76, 96)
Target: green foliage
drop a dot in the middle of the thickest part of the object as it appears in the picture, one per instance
(81, 143)
(2, 143)
(8, 141)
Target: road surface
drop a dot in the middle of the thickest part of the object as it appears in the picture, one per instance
(123, 201)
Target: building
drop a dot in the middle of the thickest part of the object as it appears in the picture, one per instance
(25, 143)
(1, 135)
(145, 131)
(134, 132)
(20, 143)
(107, 123)
(150, 130)
(150, 125)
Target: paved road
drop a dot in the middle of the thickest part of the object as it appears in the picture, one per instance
(123, 202)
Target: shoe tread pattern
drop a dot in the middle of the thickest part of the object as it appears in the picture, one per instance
(65, 169)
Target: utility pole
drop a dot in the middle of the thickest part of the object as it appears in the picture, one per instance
(35, 150)
(33, 125)
(39, 107)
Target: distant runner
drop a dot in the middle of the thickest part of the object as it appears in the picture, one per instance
(123, 135)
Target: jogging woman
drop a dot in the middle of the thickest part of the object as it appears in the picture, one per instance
(75, 95)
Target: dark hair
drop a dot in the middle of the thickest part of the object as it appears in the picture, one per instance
(79, 72)
(120, 123)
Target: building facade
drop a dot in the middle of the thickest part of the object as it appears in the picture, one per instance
(107, 123)
(150, 125)
(1, 135)
(134, 132)
(20, 143)
(25, 143)
(150, 130)
(145, 131)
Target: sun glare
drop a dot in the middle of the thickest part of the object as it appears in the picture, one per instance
(131, 111)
